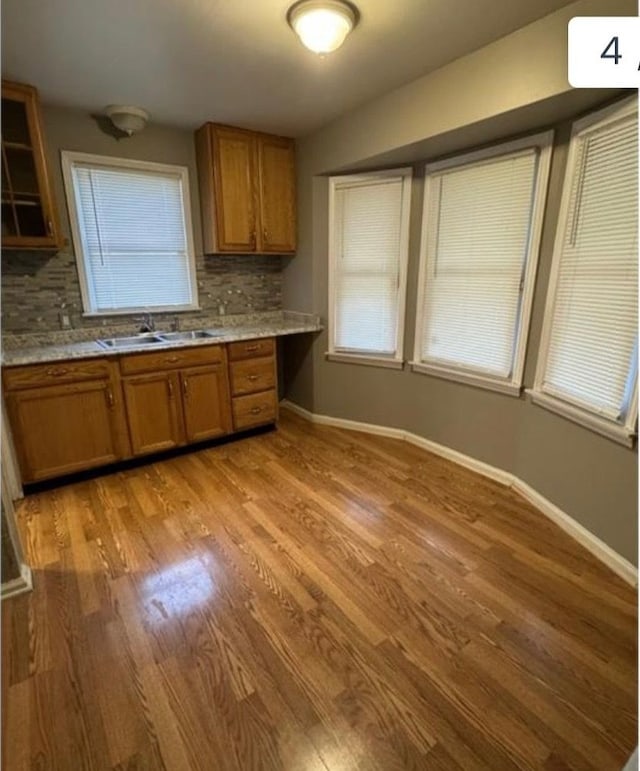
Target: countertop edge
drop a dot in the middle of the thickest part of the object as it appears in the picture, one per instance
(91, 349)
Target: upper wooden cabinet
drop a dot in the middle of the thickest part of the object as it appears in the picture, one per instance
(29, 219)
(247, 191)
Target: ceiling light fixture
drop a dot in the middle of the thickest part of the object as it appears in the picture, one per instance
(130, 120)
(322, 25)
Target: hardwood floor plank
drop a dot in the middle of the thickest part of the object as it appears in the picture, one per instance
(311, 599)
(16, 741)
(580, 739)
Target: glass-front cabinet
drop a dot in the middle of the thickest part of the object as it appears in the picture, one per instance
(29, 218)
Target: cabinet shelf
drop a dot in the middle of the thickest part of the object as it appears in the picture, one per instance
(13, 202)
(18, 146)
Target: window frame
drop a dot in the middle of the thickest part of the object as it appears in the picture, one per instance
(68, 159)
(396, 360)
(580, 413)
(512, 385)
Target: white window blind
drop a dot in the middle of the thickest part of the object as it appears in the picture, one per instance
(369, 247)
(590, 336)
(478, 261)
(131, 224)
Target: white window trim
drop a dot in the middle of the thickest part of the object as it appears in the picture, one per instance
(395, 361)
(513, 384)
(620, 432)
(371, 361)
(475, 378)
(69, 158)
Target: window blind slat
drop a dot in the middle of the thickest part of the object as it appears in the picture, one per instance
(133, 232)
(477, 232)
(367, 264)
(593, 327)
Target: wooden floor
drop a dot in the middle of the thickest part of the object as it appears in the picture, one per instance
(306, 599)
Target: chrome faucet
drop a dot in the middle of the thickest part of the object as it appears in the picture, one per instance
(147, 323)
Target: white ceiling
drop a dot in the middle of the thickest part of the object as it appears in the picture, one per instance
(237, 61)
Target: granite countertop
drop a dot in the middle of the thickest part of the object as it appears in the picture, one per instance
(82, 343)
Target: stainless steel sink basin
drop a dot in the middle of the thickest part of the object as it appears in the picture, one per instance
(192, 335)
(131, 342)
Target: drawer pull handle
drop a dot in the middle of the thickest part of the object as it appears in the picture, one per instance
(57, 372)
(173, 359)
(185, 387)
(170, 386)
(256, 410)
(110, 401)
(251, 348)
(252, 378)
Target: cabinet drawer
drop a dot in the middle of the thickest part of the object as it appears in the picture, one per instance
(254, 410)
(161, 360)
(252, 375)
(37, 375)
(249, 349)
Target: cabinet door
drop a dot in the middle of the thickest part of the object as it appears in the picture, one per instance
(207, 405)
(63, 429)
(28, 214)
(276, 163)
(152, 403)
(234, 162)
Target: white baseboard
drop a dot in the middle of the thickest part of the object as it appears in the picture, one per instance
(350, 425)
(492, 472)
(591, 542)
(20, 585)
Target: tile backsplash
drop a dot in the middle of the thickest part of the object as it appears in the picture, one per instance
(38, 288)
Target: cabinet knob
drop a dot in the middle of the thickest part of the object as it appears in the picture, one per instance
(252, 378)
(256, 410)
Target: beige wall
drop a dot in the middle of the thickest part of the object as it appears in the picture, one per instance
(38, 286)
(70, 129)
(590, 477)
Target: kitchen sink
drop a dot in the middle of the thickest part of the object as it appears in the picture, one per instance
(192, 335)
(131, 342)
(156, 338)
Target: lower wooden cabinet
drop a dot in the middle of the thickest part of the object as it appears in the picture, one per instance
(63, 429)
(169, 409)
(76, 415)
(153, 412)
(205, 401)
(253, 373)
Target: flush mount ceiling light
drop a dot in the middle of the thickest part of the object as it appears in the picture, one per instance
(322, 25)
(126, 118)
